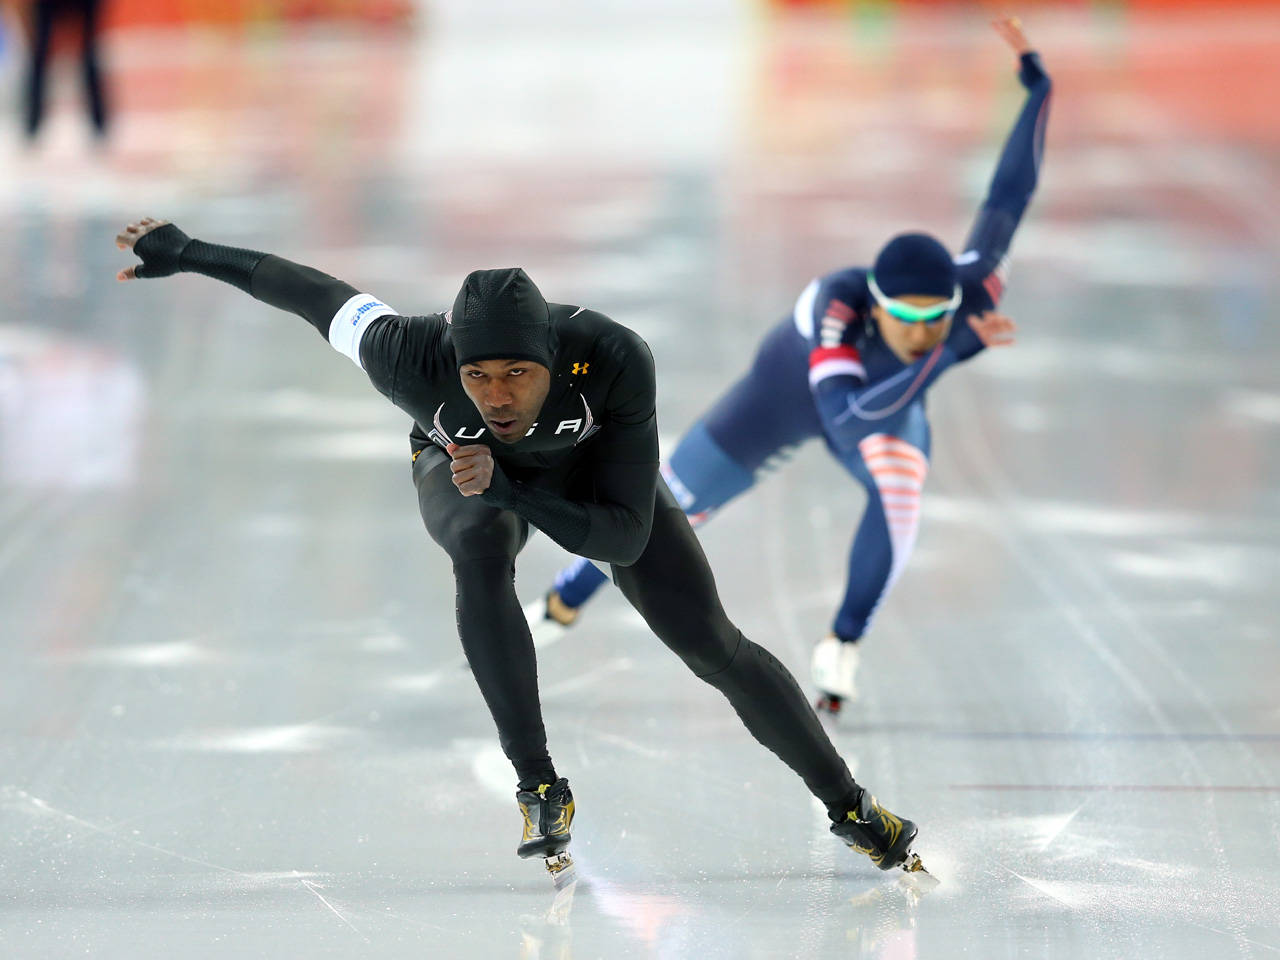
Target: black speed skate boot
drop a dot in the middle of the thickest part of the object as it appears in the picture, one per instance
(548, 814)
(884, 837)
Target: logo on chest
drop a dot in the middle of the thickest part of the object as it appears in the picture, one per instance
(580, 427)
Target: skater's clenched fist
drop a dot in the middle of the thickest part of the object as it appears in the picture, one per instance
(472, 468)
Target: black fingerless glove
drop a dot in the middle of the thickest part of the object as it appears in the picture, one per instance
(160, 251)
(1031, 71)
(167, 250)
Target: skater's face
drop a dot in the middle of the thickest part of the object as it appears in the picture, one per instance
(508, 393)
(911, 340)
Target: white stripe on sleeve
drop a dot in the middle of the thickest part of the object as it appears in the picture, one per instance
(803, 312)
(836, 367)
(352, 320)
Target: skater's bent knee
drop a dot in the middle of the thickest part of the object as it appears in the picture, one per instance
(498, 536)
(483, 569)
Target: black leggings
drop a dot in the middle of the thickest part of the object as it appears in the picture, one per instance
(671, 586)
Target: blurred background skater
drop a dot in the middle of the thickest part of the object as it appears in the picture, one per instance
(852, 365)
(47, 18)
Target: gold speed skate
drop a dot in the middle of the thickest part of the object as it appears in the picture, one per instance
(884, 837)
(548, 814)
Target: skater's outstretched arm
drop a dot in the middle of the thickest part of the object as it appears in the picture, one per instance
(620, 476)
(341, 313)
(165, 250)
(1017, 174)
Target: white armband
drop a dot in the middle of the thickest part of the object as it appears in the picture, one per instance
(352, 320)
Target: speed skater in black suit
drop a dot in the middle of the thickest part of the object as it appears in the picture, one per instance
(528, 413)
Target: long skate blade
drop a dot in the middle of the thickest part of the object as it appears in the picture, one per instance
(562, 870)
(916, 874)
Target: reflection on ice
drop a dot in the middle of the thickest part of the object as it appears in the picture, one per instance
(301, 738)
(549, 936)
(1254, 405)
(1051, 827)
(70, 415)
(174, 654)
(647, 916)
(1220, 566)
(1086, 519)
(1066, 894)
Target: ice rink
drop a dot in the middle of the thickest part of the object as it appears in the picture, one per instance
(235, 719)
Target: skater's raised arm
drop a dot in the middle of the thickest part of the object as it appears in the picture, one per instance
(318, 298)
(1018, 170)
(341, 313)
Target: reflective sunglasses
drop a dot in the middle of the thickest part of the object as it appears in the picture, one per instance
(909, 313)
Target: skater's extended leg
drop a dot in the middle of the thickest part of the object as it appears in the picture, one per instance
(672, 587)
(482, 542)
(891, 466)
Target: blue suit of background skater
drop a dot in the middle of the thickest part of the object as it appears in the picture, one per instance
(852, 364)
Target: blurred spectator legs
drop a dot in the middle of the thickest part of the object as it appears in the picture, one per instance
(47, 15)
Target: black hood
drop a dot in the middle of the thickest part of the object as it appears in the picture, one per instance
(500, 314)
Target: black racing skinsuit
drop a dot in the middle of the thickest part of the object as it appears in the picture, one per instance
(586, 475)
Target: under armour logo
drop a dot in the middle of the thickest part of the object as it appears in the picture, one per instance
(580, 368)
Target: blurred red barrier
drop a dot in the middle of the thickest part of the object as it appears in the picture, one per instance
(135, 13)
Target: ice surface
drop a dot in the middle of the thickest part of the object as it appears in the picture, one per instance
(235, 719)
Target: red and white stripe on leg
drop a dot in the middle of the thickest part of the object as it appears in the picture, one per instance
(899, 469)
